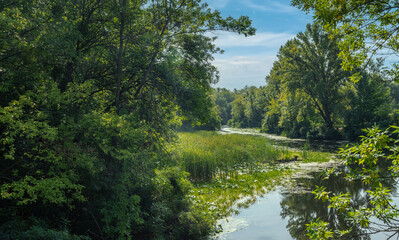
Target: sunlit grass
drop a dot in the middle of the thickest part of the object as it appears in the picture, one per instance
(312, 156)
(208, 155)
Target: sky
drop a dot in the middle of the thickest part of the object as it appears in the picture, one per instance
(248, 60)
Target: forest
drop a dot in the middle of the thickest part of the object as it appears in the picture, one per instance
(308, 95)
(97, 96)
(91, 91)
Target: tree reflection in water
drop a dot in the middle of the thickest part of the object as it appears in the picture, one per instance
(301, 207)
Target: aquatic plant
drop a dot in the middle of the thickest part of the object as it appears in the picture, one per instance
(219, 198)
(207, 155)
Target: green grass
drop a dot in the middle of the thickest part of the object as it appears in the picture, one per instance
(312, 156)
(207, 155)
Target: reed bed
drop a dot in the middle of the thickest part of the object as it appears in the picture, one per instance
(207, 155)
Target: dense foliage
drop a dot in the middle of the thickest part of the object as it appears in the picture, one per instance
(313, 96)
(309, 95)
(241, 108)
(223, 99)
(366, 28)
(90, 92)
(374, 162)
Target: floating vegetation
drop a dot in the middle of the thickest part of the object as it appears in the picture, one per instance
(223, 197)
(229, 172)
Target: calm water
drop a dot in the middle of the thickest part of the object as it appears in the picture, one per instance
(282, 214)
(314, 145)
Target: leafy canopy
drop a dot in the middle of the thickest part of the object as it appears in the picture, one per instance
(367, 27)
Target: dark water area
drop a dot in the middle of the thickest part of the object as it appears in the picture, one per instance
(302, 144)
(284, 213)
(313, 145)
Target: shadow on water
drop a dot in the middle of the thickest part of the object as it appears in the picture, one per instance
(300, 207)
(313, 145)
(319, 145)
(284, 214)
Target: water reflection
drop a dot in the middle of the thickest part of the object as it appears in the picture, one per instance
(284, 214)
(301, 207)
(313, 145)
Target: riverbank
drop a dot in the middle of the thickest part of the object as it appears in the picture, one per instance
(230, 171)
(293, 143)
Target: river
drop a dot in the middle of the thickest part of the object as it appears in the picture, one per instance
(315, 145)
(283, 214)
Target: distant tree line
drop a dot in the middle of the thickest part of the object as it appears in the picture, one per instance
(308, 95)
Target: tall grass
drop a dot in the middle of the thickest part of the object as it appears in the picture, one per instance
(207, 155)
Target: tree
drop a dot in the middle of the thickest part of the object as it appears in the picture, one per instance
(369, 103)
(238, 112)
(273, 92)
(254, 109)
(358, 22)
(91, 91)
(248, 107)
(223, 98)
(308, 76)
(313, 67)
(307, 80)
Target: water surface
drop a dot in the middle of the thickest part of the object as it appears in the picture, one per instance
(314, 145)
(282, 214)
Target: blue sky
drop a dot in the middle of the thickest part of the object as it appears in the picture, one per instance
(247, 61)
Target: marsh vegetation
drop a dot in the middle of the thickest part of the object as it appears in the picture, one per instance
(230, 171)
(208, 155)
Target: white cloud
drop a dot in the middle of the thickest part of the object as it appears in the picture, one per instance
(218, 4)
(238, 71)
(239, 67)
(272, 6)
(262, 39)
